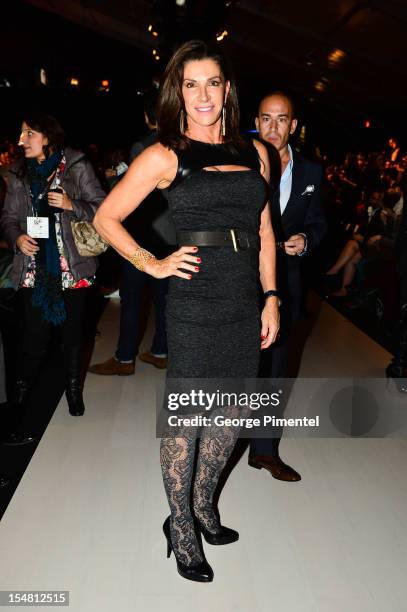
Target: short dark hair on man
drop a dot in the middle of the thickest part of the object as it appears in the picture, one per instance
(287, 96)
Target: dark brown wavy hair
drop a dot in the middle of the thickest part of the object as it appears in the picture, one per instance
(51, 128)
(171, 101)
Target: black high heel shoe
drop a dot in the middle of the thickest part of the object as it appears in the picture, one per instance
(225, 535)
(202, 572)
(398, 375)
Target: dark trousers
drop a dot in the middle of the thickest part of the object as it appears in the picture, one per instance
(38, 333)
(3, 395)
(274, 361)
(132, 284)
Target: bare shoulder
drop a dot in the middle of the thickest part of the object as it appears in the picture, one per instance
(264, 158)
(260, 147)
(158, 162)
(261, 150)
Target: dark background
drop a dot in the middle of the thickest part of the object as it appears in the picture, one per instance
(271, 44)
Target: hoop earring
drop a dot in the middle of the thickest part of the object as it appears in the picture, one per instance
(182, 121)
(223, 122)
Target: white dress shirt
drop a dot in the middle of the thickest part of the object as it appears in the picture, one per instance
(286, 182)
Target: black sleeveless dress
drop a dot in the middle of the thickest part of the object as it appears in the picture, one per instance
(213, 320)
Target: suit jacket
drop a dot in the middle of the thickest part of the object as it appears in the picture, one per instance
(304, 212)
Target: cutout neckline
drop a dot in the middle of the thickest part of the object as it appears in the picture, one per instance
(210, 144)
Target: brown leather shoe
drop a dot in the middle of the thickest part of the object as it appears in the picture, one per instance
(112, 367)
(277, 468)
(158, 362)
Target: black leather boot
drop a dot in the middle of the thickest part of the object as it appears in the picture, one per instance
(21, 393)
(74, 383)
(18, 436)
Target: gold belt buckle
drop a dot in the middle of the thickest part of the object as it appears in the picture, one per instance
(235, 247)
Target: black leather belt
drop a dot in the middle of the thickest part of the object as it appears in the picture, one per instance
(238, 239)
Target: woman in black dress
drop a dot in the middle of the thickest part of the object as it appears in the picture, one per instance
(216, 184)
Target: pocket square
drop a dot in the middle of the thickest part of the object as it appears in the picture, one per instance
(308, 190)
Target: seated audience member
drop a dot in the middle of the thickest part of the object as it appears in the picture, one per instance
(377, 222)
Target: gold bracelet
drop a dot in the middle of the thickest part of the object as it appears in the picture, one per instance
(140, 258)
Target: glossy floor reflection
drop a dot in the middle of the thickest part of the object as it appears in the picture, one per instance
(88, 512)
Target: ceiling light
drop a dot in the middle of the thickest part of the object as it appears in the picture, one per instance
(43, 76)
(74, 82)
(320, 86)
(221, 35)
(336, 56)
(150, 28)
(180, 2)
(105, 83)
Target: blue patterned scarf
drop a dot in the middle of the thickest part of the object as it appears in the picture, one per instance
(47, 292)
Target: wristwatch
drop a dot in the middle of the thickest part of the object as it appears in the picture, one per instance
(273, 293)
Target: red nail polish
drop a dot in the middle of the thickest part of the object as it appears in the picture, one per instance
(195, 248)
(198, 259)
(196, 269)
(189, 275)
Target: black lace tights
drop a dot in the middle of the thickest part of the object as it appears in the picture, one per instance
(177, 463)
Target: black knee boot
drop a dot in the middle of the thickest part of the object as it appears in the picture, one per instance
(28, 371)
(74, 380)
(29, 368)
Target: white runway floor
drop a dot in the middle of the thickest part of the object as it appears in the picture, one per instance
(87, 515)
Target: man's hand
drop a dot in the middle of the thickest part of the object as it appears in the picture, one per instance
(59, 200)
(294, 245)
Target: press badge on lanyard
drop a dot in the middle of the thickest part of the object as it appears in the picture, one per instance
(38, 227)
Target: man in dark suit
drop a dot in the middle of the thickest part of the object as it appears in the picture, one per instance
(151, 225)
(299, 225)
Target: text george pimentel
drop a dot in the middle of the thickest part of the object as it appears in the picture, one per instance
(248, 423)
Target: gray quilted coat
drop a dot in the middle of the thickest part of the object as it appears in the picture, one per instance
(82, 187)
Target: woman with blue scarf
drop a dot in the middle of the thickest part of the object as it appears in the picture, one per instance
(51, 187)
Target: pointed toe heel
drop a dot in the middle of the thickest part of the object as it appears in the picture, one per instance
(225, 535)
(202, 572)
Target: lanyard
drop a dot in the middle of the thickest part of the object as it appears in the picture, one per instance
(55, 178)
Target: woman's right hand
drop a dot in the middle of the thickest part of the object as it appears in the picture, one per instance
(174, 264)
(27, 245)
